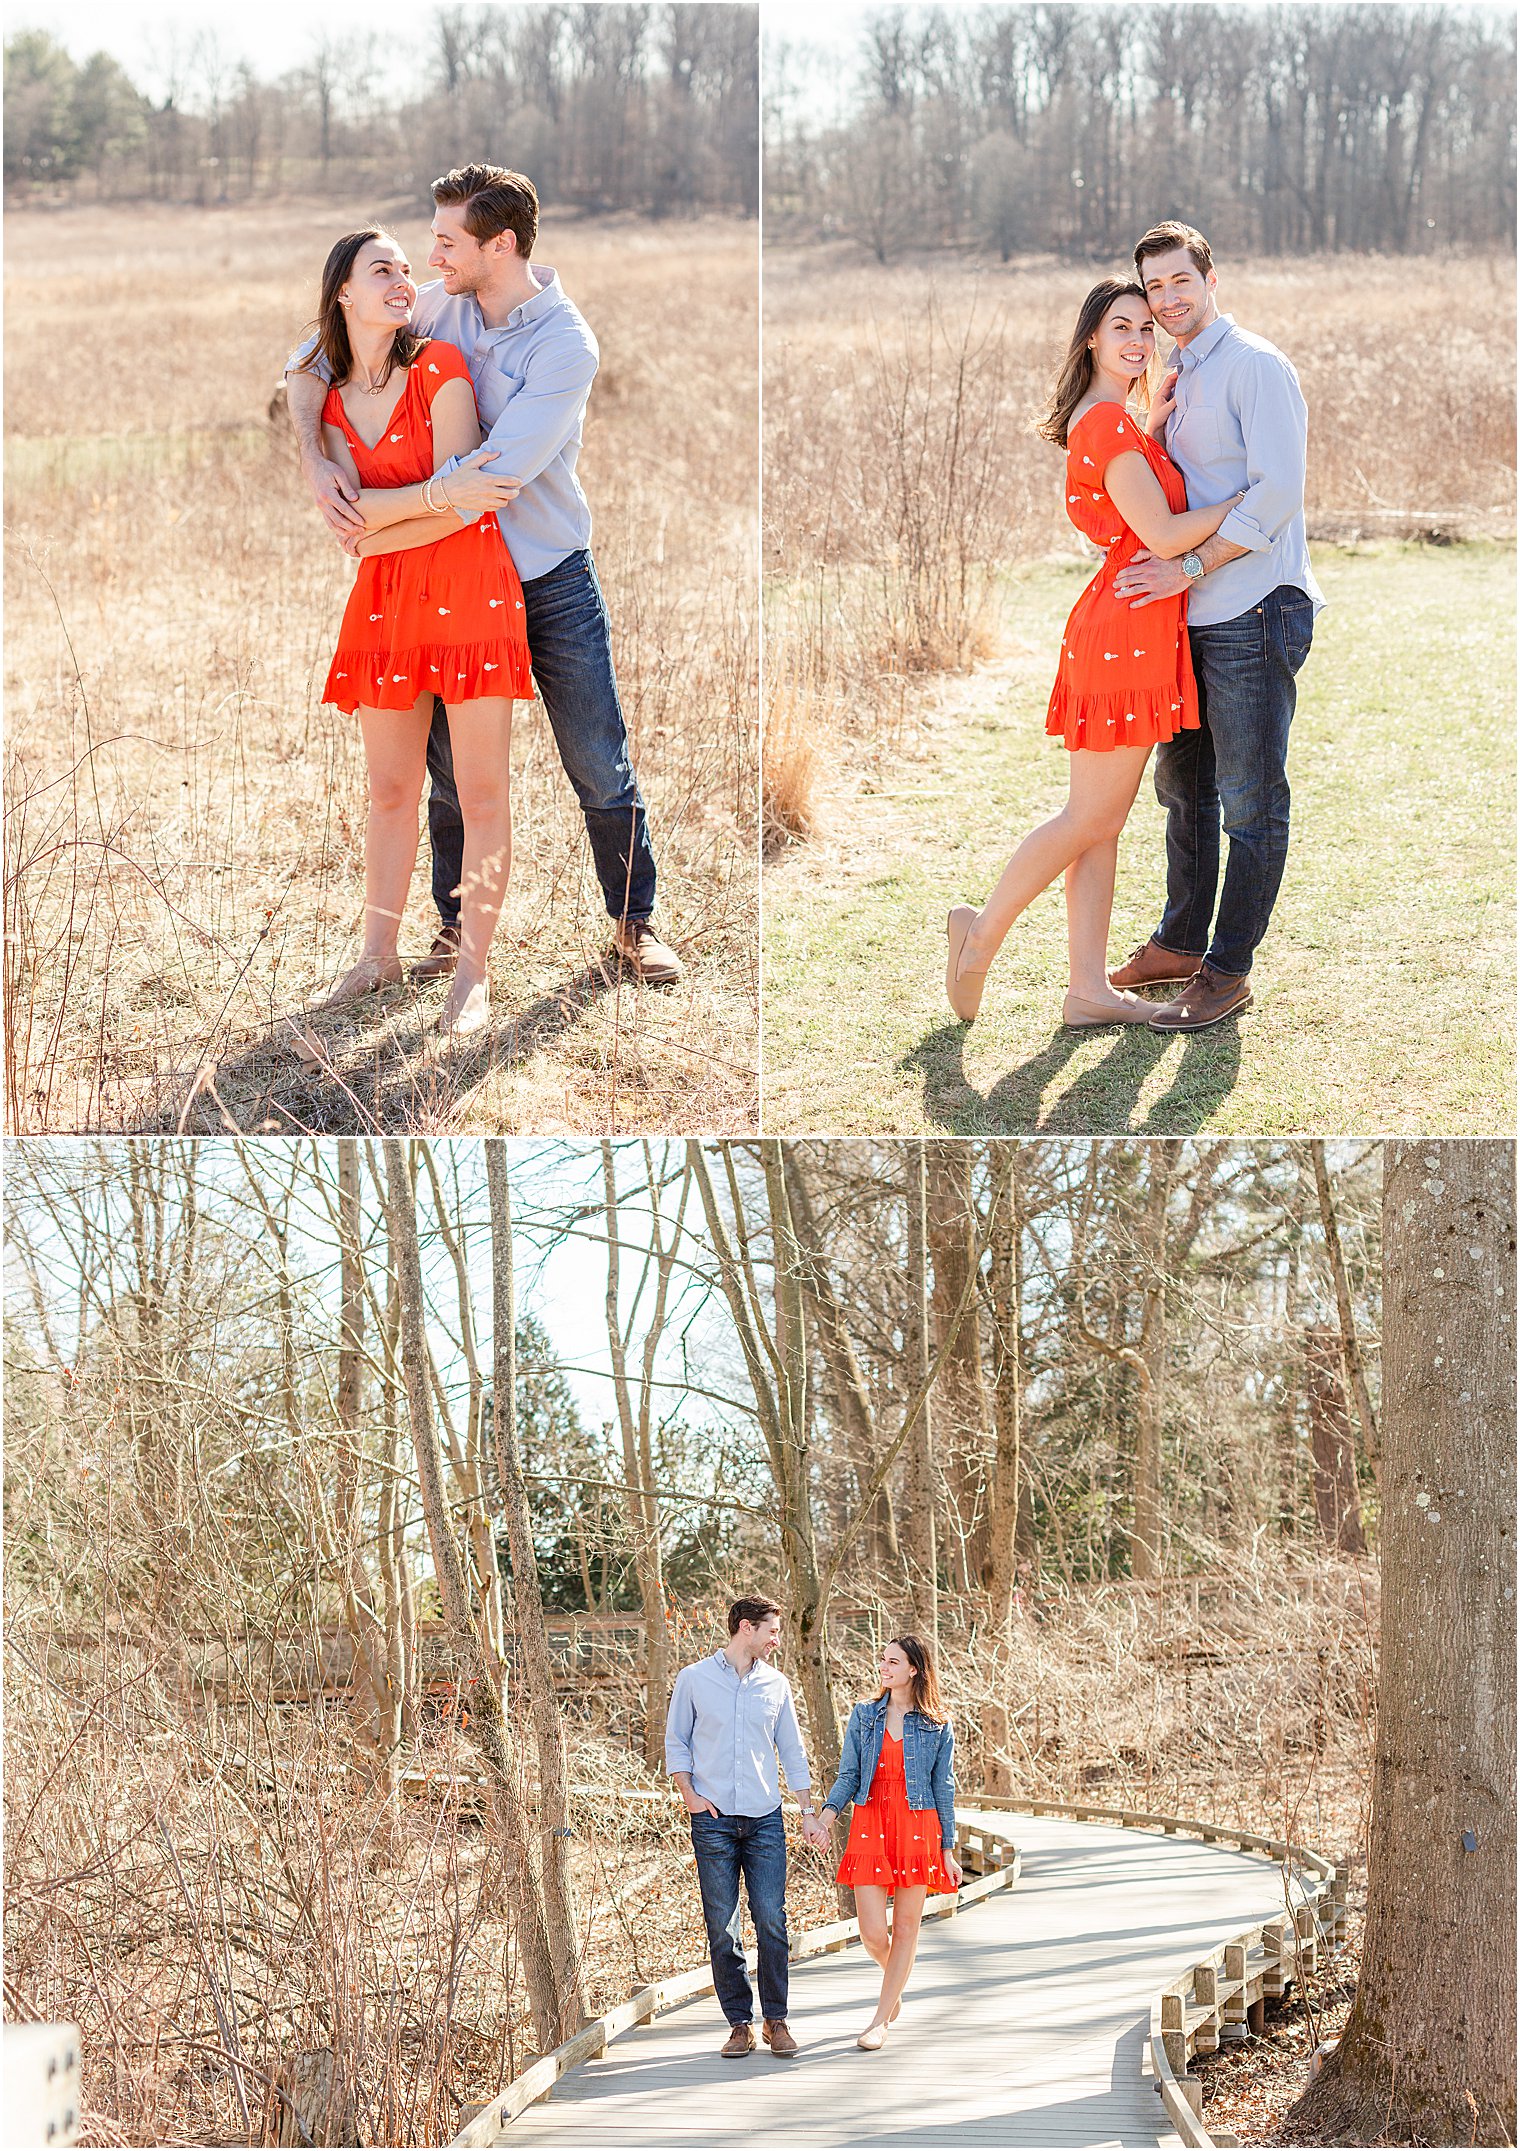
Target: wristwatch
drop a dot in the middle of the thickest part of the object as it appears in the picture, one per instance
(1192, 566)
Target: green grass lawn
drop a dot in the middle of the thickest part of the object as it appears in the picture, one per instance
(1384, 992)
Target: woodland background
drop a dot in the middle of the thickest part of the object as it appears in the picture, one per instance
(1104, 1419)
(617, 108)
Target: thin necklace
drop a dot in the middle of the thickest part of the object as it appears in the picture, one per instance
(373, 388)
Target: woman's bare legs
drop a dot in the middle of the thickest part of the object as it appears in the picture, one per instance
(395, 749)
(907, 1918)
(871, 1911)
(1102, 791)
(480, 739)
(1089, 912)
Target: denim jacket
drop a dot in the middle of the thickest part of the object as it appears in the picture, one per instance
(928, 1763)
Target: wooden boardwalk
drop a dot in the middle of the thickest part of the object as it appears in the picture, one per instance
(1025, 2023)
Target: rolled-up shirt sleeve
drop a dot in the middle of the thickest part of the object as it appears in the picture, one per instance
(790, 1749)
(1274, 420)
(545, 411)
(680, 1721)
(302, 352)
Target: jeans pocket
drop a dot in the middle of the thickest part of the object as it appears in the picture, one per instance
(1297, 618)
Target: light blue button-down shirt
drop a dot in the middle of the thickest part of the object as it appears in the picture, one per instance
(727, 1733)
(532, 379)
(1241, 423)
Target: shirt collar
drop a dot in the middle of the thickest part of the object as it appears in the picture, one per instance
(548, 295)
(720, 1655)
(1203, 343)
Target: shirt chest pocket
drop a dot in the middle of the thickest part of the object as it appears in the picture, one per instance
(495, 387)
(1197, 435)
(764, 1711)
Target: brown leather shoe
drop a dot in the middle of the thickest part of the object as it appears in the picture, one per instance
(642, 949)
(1152, 965)
(442, 959)
(1207, 998)
(740, 2041)
(776, 2036)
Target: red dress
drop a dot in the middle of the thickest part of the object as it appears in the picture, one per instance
(891, 1844)
(445, 618)
(1126, 677)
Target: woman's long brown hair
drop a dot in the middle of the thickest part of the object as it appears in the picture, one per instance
(1075, 377)
(331, 327)
(926, 1696)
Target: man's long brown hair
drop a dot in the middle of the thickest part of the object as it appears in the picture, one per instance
(331, 325)
(925, 1696)
(1075, 377)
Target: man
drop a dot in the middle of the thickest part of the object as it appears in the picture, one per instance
(532, 360)
(730, 1717)
(1239, 421)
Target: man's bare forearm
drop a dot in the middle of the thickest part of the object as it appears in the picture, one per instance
(1215, 551)
(305, 395)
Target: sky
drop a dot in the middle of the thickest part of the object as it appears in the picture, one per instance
(154, 43)
(561, 1277)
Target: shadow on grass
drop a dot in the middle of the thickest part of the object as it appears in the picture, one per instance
(1104, 1099)
(390, 1072)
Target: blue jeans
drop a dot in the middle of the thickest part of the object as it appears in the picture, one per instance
(570, 642)
(754, 1846)
(1232, 773)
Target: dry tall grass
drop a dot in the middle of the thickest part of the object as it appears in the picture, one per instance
(899, 450)
(184, 819)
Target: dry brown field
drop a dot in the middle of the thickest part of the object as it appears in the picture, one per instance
(903, 476)
(184, 819)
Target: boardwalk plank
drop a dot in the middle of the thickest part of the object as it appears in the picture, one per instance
(1025, 2024)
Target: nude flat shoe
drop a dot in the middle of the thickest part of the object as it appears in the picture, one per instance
(963, 989)
(873, 2040)
(1078, 1014)
(464, 1013)
(371, 974)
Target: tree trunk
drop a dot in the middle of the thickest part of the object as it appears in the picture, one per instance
(1351, 1351)
(999, 1572)
(467, 1621)
(534, 1659)
(1428, 2053)
(961, 1415)
(777, 1366)
(640, 1502)
(919, 1492)
(1145, 1532)
(1337, 1504)
(848, 1394)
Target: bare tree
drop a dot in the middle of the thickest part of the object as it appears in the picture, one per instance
(1428, 2053)
(1350, 1348)
(471, 1612)
(532, 1637)
(636, 1422)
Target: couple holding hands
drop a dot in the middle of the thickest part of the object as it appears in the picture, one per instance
(730, 1718)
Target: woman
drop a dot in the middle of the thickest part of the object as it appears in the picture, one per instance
(897, 1767)
(436, 609)
(1126, 681)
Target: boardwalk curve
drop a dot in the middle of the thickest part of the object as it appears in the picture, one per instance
(1027, 2023)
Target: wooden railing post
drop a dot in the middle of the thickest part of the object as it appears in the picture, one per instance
(1206, 1995)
